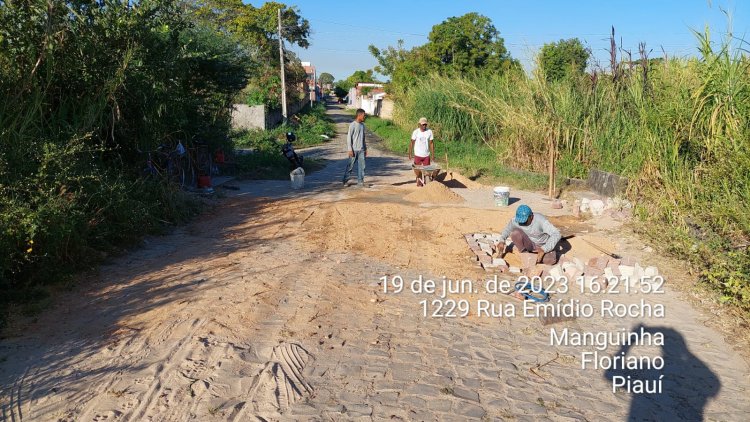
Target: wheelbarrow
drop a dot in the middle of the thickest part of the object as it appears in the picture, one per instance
(426, 173)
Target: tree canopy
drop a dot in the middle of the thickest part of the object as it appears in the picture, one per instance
(565, 57)
(462, 44)
(256, 26)
(256, 30)
(468, 42)
(325, 78)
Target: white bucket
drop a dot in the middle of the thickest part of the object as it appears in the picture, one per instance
(298, 178)
(501, 195)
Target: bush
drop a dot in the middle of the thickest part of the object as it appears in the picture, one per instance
(89, 88)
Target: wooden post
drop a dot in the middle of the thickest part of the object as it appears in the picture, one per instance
(551, 167)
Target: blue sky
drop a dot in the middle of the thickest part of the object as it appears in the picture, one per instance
(342, 30)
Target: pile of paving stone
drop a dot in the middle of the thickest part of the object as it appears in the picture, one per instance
(596, 270)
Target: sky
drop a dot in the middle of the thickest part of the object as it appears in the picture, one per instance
(342, 30)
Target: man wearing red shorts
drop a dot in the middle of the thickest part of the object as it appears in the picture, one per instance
(422, 145)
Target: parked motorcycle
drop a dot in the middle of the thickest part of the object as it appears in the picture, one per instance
(288, 150)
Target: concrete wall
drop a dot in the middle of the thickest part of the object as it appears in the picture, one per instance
(248, 117)
(368, 105)
(257, 117)
(386, 109)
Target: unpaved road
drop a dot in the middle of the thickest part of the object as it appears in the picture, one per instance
(271, 308)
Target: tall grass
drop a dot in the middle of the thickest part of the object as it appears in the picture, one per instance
(473, 160)
(681, 136)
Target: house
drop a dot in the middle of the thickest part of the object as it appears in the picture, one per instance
(311, 82)
(368, 96)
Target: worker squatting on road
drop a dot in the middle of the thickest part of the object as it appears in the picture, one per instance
(532, 232)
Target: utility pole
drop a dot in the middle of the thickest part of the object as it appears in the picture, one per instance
(283, 82)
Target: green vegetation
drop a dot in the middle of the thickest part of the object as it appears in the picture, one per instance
(472, 160)
(88, 89)
(459, 45)
(678, 128)
(342, 87)
(311, 127)
(563, 58)
(325, 78)
(254, 29)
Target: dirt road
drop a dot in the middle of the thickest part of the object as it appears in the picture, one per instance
(272, 307)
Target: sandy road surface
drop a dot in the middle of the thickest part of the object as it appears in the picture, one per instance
(271, 308)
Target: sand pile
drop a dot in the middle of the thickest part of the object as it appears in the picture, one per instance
(458, 178)
(454, 179)
(435, 192)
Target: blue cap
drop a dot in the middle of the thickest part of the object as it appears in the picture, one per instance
(522, 214)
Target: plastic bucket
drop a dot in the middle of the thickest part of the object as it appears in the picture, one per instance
(298, 178)
(501, 195)
(204, 181)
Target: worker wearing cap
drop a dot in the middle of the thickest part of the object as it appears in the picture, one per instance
(531, 232)
(422, 145)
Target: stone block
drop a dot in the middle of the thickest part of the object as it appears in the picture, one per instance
(567, 265)
(466, 394)
(528, 260)
(612, 272)
(638, 272)
(626, 270)
(597, 207)
(557, 204)
(514, 270)
(651, 272)
(599, 262)
(533, 271)
(556, 272)
(579, 263)
(593, 271)
(585, 205)
(499, 261)
(628, 260)
(607, 184)
(571, 272)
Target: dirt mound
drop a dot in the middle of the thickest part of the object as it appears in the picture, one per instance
(453, 179)
(436, 193)
(457, 180)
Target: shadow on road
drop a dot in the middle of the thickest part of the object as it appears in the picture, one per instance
(687, 383)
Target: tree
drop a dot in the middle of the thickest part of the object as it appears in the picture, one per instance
(468, 42)
(389, 58)
(340, 89)
(366, 76)
(257, 28)
(325, 79)
(563, 58)
(457, 45)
